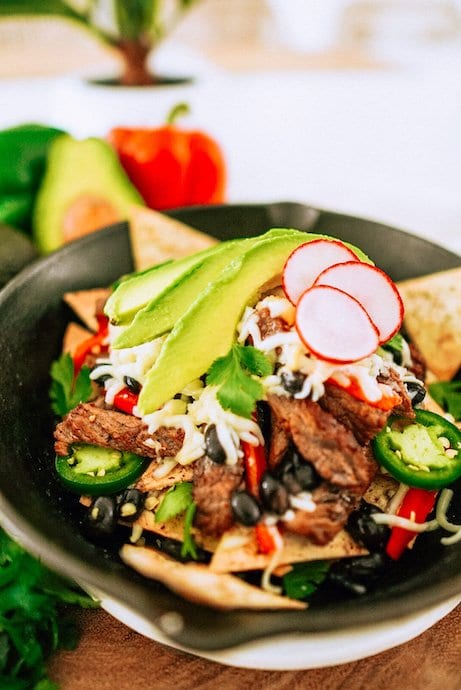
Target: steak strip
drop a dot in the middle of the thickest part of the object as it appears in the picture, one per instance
(212, 492)
(345, 466)
(89, 423)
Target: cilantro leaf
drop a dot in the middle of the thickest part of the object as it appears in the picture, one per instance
(32, 624)
(395, 344)
(448, 395)
(175, 501)
(304, 578)
(233, 373)
(65, 391)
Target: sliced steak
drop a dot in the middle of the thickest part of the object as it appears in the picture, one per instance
(213, 488)
(394, 381)
(270, 325)
(345, 466)
(90, 423)
(333, 507)
(322, 440)
(418, 363)
(364, 420)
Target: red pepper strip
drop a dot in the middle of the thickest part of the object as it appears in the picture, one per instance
(266, 537)
(417, 504)
(255, 466)
(125, 400)
(93, 344)
(387, 402)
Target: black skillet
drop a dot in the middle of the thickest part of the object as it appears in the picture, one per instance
(44, 517)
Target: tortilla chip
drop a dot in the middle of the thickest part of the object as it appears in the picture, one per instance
(174, 529)
(155, 238)
(179, 473)
(381, 490)
(237, 551)
(73, 336)
(83, 303)
(198, 584)
(433, 319)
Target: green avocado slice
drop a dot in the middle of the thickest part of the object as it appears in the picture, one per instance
(207, 329)
(161, 314)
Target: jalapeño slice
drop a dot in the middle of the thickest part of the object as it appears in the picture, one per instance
(97, 471)
(425, 452)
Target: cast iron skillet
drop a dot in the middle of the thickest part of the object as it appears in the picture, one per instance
(45, 518)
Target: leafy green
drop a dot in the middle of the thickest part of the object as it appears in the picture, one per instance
(188, 548)
(32, 621)
(176, 501)
(233, 373)
(448, 395)
(395, 344)
(66, 392)
(304, 578)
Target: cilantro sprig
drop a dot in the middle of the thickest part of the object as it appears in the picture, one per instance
(32, 624)
(67, 391)
(448, 395)
(234, 374)
(178, 500)
(304, 579)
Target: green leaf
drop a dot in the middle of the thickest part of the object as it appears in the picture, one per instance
(57, 8)
(233, 374)
(176, 501)
(395, 344)
(448, 395)
(65, 391)
(304, 578)
(189, 548)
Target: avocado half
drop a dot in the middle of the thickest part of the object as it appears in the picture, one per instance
(84, 189)
(16, 251)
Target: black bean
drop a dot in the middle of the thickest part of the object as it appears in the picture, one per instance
(263, 418)
(297, 474)
(292, 381)
(102, 379)
(132, 384)
(101, 518)
(416, 392)
(362, 527)
(213, 447)
(245, 508)
(357, 574)
(130, 504)
(274, 495)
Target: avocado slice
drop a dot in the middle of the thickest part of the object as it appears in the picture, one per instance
(161, 313)
(84, 188)
(207, 329)
(138, 289)
(16, 251)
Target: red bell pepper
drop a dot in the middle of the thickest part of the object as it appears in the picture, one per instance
(416, 505)
(387, 402)
(255, 466)
(92, 345)
(171, 166)
(125, 400)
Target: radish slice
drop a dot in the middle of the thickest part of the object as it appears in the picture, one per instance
(373, 289)
(334, 326)
(308, 260)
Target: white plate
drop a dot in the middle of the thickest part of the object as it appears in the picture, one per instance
(297, 651)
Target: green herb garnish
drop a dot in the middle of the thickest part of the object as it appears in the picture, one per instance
(395, 344)
(304, 579)
(67, 391)
(178, 500)
(233, 373)
(32, 624)
(448, 395)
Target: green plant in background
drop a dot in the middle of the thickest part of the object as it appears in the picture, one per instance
(134, 28)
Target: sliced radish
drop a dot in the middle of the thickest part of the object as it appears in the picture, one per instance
(308, 260)
(334, 326)
(373, 289)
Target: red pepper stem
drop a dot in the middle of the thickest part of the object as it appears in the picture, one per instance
(177, 111)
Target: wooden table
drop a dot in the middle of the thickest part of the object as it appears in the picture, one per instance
(113, 657)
